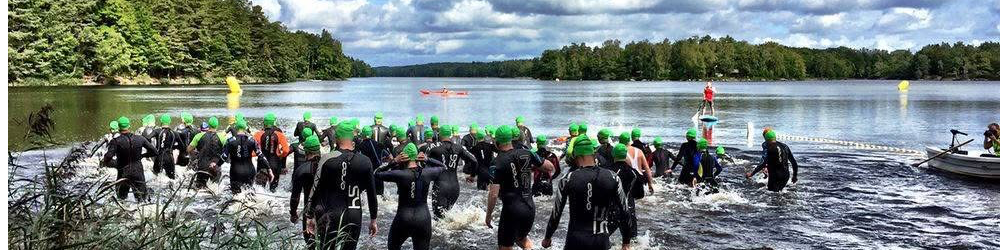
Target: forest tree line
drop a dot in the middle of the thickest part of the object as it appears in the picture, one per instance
(700, 58)
(109, 40)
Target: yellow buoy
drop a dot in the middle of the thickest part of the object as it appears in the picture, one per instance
(234, 85)
(903, 85)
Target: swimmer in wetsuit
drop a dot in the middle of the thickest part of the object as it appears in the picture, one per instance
(302, 179)
(446, 189)
(239, 152)
(511, 182)
(166, 141)
(686, 154)
(484, 152)
(413, 181)
(125, 153)
(631, 183)
(207, 145)
(334, 212)
(776, 159)
(595, 196)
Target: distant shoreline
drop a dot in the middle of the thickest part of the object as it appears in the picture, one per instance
(147, 81)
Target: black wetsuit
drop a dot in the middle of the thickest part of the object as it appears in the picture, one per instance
(302, 185)
(688, 166)
(184, 135)
(415, 133)
(125, 153)
(512, 171)
(413, 219)
(632, 185)
(165, 140)
(710, 168)
(269, 145)
(329, 136)
(595, 196)
(484, 153)
(209, 151)
(381, 136)
(542, 184)
(468, 141)
(525, 139)
(239, 151)
(777, 157)
(446, 187)
(376, 153)
(336, 203)
(604, 155)
(427, 146)
(661, 161)
(646, 151)
(301, 125)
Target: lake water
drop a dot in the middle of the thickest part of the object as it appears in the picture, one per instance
(854, 141)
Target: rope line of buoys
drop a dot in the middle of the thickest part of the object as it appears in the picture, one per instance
(850, 143)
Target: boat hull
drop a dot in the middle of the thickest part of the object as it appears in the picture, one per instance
(971, 165)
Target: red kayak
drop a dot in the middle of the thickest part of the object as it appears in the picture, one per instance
(443, 92)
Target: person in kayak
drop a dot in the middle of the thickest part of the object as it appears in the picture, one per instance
(446, 189)
(415, 133)
(239, 152)
(574, 131)
(776, 159)
(305, 123)
(102, 147)
(334, 211)
(686, 156)
(510, 178)
(328, 136)
(231, 131)
(380, 134)
(302, 179)
(708, 167)
(125, 153)
(185, 132)
(166, 141)
(661, 158)
(274, 146)
(469, 140)
(709, 98)
(594, 195)
(413, 179)
(436, 128)
(647, 151)
(604, 151)
(543, 180)
(631, 183)
(991, 140)
(483, 151)
(208, 146)
(637, 160)
(524, 134)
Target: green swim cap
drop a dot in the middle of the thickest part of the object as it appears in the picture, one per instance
(620, 152)
(702, 144)
(345, 130)
(770, 135)
(573, 128)
(519, 120)
(307, 115)
(213, 122)
(239, 116)
(366, 132)
(378, 116)
(583, 146)
(114, 125)
(582, 128)
(123, 122)
(446, 131)
(435, 120)
(720, 150)
(413, 123)
(392, 128)
(603, 134)
(489, 129)
(542, 141)
(333, 120)
(473, 128)
(657, 142)
(165, 119)
(400, 133)
(306, 132)
(241, 125)
(311, 144)
(428, 134)
(692, 133)
(148, 120)
(411, 151)
(269, 119)
(504, 135)
(187, 118)
(625, 137)
(636, 133)
(480, 136)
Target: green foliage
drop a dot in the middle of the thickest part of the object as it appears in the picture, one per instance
(726, 58)
(164, 39)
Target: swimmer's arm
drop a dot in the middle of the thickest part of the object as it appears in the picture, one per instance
(370, 191)
(110, 154)
(491, 202)
(557, 209)
(795, 164)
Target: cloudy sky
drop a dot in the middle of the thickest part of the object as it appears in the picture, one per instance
(402, 32)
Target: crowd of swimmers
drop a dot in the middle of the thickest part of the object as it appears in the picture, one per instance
(600, 180)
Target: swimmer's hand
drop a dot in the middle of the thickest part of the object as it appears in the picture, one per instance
(310, 227)
(489, 222)
(294, 217)
(372, 228)
(748, 175)
(470, 179)
(547, 242)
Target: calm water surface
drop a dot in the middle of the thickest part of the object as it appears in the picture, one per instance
(860, 194)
